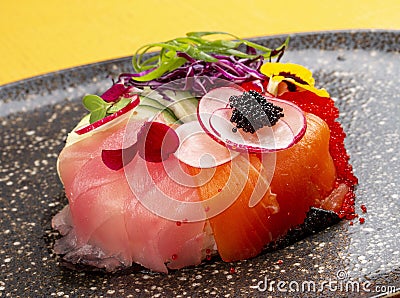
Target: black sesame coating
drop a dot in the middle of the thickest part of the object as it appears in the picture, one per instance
(252, 111)
(316, 221)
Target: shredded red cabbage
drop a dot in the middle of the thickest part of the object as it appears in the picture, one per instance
(199, 76)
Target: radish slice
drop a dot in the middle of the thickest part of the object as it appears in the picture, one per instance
(214, 116)
(266, 139)
(198, 150)
(294, 117)
(215, 99)
(134, 102)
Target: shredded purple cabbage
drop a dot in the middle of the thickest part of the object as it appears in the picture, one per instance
(199, 77)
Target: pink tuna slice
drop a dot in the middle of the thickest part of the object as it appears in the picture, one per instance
(108, 216)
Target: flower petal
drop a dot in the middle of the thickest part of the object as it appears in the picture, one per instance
(116, 159)
(157, 141)
(115, 92)
(290, 72)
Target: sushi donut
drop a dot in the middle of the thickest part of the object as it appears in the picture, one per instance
(221, 174)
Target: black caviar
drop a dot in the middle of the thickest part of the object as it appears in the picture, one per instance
(252, 111)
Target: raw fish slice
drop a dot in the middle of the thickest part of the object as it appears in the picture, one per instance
(346, 181)
(154, 242)
(177, 241)
(95, 201)
(78, 253)
(304, 175)
(240, 231)
(90, 145)
(110, 225)
(111, 218)
(97, 205)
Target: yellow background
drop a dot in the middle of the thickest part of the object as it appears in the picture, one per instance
(37, 37)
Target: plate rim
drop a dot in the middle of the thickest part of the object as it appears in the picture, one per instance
(297, 35)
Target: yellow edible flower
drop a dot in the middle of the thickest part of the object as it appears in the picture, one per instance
(289, 72)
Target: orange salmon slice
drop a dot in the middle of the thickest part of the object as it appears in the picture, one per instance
(240, 232)
(304, 175)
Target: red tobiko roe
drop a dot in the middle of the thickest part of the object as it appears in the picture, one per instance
(363, 208)
(325, 108)
(155, 142)
(256, 85)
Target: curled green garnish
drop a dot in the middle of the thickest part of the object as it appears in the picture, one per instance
(196, 47)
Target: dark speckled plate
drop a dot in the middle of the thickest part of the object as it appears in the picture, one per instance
(361, 70)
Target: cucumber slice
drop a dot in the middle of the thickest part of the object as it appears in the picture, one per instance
(185, 109)
(147, 101)
(72, 137)
(84, 121)
(182, 103)
(154, 95)
(144, 112)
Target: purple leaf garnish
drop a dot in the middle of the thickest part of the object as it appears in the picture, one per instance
(116, 159)
(116, 91)
(155, 142)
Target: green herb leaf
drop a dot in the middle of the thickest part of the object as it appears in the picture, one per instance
(96, 115)
(96, 106)
(123, 102)
(93, 102)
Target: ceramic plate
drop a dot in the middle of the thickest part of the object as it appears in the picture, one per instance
(360, 69)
